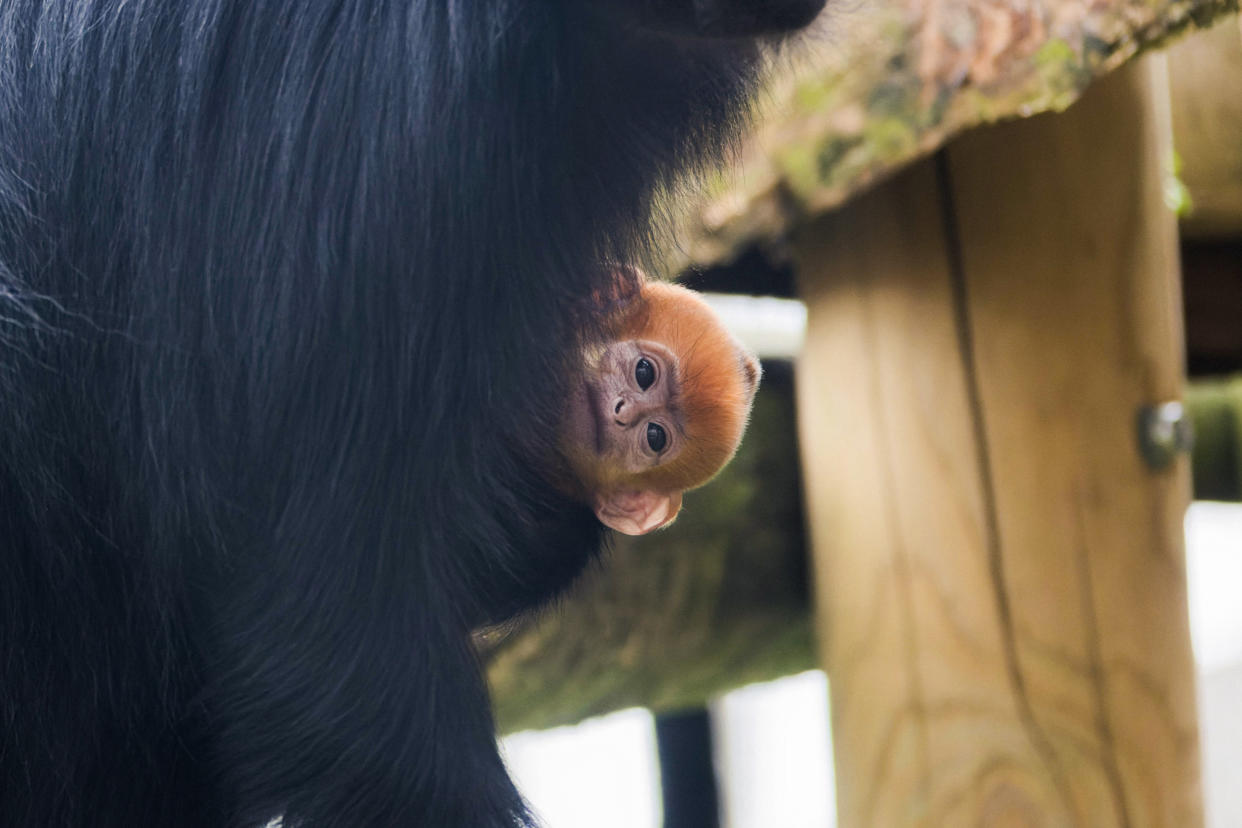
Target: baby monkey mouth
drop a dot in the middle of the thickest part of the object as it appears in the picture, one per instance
(586, 429)
(596, 405)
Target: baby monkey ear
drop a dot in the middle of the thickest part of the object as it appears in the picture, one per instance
(633, 512)
(622, 291)
(752, 372)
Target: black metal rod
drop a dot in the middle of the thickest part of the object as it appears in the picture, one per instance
(687, 775)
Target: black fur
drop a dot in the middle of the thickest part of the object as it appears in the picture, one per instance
(287, 290)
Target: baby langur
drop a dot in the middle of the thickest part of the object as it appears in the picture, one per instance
(661, 408)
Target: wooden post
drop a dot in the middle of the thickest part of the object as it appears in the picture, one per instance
(1002, 596)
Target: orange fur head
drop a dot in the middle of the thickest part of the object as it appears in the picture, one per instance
(716, 382)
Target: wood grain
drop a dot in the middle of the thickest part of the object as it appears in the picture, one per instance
(1001, 581)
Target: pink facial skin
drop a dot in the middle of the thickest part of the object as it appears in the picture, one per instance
(627, 427)
(623, 420)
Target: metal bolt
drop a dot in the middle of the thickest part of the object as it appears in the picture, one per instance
(1164, 431)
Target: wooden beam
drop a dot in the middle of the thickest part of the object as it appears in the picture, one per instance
(1000, 576)
(892, 80)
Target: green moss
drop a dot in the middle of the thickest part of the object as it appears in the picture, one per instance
(1062, 73)
(1176, 194)
(832, 152)
(1055, 54)
(800, 167)
(890, 138)
(820, 94)
(894, 98)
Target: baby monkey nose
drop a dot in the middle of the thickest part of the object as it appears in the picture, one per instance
(626, 412)
(619, 412)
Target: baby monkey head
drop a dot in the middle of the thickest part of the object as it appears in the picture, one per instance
(661, 408)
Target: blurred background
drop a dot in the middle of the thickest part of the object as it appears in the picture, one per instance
(990, 253)
(773, 757)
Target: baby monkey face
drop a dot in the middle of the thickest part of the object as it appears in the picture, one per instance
(659, 408)
(630, 419)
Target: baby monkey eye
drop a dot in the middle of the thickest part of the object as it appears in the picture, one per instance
(656, 437)
(644, 373)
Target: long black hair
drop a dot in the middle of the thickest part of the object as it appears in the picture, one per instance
(288, 291)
